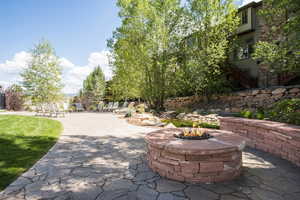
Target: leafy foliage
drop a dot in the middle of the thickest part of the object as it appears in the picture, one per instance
(280, 46)
(42, 78)
(217, 22)
(14, 98)
(286, 111)
(93, 89)
(187, 123)
(143, 49)
(149, 53)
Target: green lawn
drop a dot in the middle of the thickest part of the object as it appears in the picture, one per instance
(23, 141)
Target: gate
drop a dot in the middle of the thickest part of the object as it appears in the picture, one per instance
(2, 101)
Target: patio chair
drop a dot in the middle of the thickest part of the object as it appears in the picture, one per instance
(115, 106)
(53, 110)
(47, 110)
(101, 106)
(43, 109)
(66, 107)
(79, 107)
(109, 107)
(60, 109)
(125, 104)
(124, 109)
(38, 110)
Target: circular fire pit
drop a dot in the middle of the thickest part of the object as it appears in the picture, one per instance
(216, 159)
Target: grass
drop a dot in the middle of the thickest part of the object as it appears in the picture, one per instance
(23, 141)
(186, 123)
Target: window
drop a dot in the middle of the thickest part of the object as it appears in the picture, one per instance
(245, 51)
(244, 16)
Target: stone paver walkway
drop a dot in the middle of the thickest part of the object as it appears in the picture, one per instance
(101, 157)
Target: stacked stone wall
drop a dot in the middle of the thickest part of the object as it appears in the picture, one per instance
(217, 167)
(276, 138)
(235, 102)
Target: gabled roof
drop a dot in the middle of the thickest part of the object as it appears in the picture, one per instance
(251, 4)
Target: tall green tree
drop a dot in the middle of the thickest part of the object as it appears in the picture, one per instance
(42, 78)
(279, 48)
(216, 22)
(150, 57)
(144, 48)
(93, 87)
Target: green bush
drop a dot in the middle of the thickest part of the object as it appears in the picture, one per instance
(247, 114)
(129, 113)
(207, 125)
(187, 123)
(141, 108)
(92, 108)
(260, 115)
(287, 111)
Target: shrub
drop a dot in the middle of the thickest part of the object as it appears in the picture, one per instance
(187, 123)
(287, 111)
(260, 115)
(72, 108)
(14, 98)
(247, 114)
(92, 108)
(207, 125)
(129, 113)
(141, 108)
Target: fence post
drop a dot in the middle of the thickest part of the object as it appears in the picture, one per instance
(2, 101)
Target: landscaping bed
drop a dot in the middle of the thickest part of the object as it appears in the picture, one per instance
(286, 111)
(187, 123)
(23, 141)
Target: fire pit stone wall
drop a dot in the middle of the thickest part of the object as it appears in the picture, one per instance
(214, 160)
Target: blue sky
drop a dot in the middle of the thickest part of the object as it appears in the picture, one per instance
(75, 27)
(78, 29)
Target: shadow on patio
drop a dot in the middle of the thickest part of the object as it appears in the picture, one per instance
(110, 167)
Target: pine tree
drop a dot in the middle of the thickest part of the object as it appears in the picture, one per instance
(93, 87)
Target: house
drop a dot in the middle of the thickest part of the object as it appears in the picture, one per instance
(250, 72)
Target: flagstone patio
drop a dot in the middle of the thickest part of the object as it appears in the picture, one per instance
(101, 157)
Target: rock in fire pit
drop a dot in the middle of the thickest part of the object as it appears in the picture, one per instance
(216, 158)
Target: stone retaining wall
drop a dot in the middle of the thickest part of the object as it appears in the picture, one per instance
(235, 102)
(196, 161)
(195, 168)
(276, 138)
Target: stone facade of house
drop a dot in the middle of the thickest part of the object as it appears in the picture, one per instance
(253, 28)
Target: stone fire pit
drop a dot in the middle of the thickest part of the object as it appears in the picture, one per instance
(215, 159)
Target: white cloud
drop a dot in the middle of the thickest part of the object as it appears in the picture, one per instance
(17, 64)
(66, 64)
(101, 59)
(73, 75)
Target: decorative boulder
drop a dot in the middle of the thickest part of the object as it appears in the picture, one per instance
(170, 125)
(148, 123)
(180, 116)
